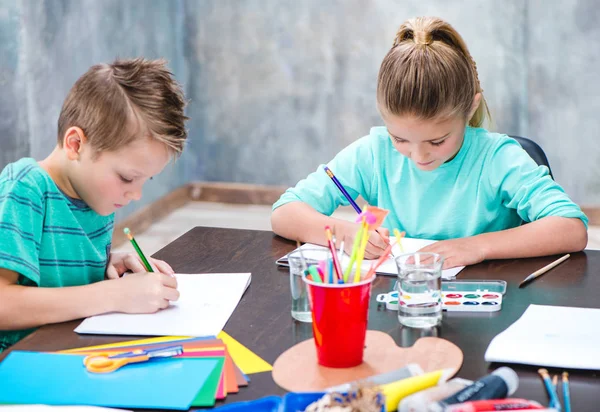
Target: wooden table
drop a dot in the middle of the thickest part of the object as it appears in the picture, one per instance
(263, 323)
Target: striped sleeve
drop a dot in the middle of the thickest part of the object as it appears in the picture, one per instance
(21, 222)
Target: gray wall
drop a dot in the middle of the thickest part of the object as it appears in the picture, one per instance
(278, 86)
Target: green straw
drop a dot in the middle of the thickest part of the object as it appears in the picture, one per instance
(138, 250)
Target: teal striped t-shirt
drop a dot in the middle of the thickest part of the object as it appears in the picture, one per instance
(50, 239)
(490, 185)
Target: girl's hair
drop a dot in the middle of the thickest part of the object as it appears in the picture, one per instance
(114, 104)
(429, 73)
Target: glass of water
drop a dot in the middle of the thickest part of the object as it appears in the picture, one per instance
(419, 289)
(299, 260)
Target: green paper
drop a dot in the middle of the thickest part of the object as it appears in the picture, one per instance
(206, 396)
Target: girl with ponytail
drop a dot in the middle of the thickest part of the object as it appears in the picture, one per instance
(441, 174)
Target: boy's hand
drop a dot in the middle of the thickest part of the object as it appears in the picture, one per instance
(457, 252)
(378, 242)
(144, 292)
(120, 263)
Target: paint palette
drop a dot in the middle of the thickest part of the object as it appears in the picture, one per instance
(460, 296)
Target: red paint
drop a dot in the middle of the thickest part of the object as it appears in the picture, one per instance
(454, 296)
(490, 296)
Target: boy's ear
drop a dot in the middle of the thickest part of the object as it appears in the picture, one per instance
(73, 142)
(475, 105)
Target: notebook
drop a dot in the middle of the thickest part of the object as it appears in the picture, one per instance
(552, 336)
(205, 304)
(61, 379)
(388, 267)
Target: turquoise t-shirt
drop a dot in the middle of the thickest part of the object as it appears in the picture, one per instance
(50, 239)
(491, 184)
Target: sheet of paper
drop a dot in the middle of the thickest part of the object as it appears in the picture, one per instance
(248, 361)
(205, 304)
(48, 408)
(60, 379)
(388, 267)
(553, 336)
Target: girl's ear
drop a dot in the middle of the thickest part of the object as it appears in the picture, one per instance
(475, 105)
(73, 142)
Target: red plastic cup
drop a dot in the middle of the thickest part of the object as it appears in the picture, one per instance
(340, 313)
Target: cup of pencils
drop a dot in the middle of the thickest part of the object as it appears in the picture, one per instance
(339, 300)
(340, 313)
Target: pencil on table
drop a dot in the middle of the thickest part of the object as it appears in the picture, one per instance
(566, 394)
(138, 249)
(554, 402)
(543, 270)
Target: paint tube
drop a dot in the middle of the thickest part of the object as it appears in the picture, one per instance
(495, 405)
(394, 392)
(418, 402)
(412, 369)
(499, 384)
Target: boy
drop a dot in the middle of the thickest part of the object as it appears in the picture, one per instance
(120, 124)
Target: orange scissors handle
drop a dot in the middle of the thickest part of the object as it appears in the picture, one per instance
(104, 364)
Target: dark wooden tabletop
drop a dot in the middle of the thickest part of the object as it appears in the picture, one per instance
(263, 323)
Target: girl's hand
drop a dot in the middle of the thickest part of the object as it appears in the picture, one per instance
(143, 292)
(120, 263)
(378, 242)
(457, 252)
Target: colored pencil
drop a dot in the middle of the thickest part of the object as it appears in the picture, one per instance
(336, 263)
(138, 249)
(566, 394)
(554, 402)
(339, 186)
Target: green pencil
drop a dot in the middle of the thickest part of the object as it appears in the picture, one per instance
(138, 250)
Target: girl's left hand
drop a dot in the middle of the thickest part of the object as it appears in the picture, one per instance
(457, 252)
(120, 263)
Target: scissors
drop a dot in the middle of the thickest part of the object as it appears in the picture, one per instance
(105, 362)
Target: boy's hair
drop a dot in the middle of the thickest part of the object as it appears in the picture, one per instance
(429, 73)
(114, 104)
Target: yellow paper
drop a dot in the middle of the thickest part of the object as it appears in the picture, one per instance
(148, 341)
(244, 358)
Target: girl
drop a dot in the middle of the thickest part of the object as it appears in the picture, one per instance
(435, 169)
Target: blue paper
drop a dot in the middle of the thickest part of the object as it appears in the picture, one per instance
(61, 379)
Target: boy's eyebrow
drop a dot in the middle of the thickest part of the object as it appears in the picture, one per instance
(425, 141)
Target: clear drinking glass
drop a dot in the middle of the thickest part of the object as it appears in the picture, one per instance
(297, 259)
(419, 289)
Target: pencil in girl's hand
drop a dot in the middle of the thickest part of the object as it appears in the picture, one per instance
(138, 250)
(339, 186)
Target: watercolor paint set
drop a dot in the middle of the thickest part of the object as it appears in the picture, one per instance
(458, 296)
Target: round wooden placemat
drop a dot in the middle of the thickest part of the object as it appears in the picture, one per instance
(297, 369)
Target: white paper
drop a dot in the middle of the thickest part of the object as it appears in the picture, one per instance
(553, 336)
(205, 304)
(388, 267)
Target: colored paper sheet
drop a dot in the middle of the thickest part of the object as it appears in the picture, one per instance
(57, 379)
(207, 395)
(137, 342)
(244, 358)
(190, 344)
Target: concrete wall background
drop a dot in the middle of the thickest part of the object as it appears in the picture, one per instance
(277, 87)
